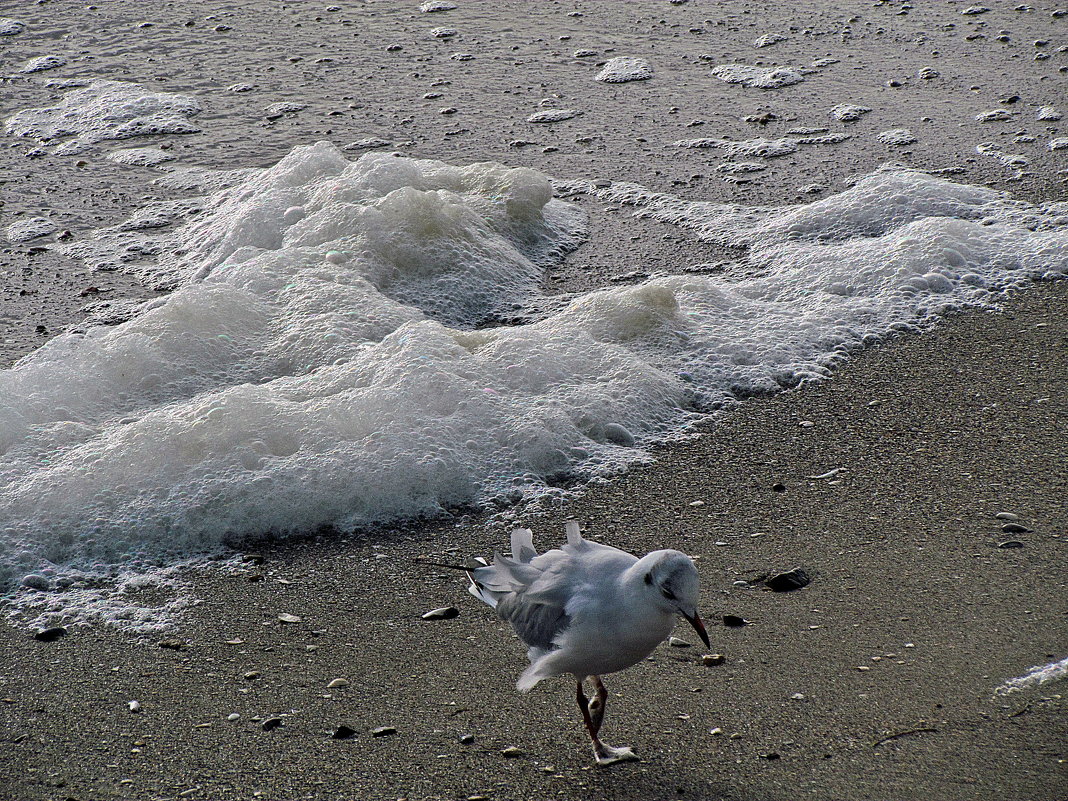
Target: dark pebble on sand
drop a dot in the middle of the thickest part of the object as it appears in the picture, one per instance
(467, 739)
(1015, 528)
(173, 645)
(778, 487)
(35, 581)
(343, 732)
(734, 622)
(50, 634)
(1011, 544)
(790, 580)
(271, 723)
(383, 731)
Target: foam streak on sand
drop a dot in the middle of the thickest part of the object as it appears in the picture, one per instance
(357, 342)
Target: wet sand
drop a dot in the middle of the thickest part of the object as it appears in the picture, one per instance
(932, 436)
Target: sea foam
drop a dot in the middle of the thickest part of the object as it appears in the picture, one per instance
(356, 342)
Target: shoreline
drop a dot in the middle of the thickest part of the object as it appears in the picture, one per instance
(902, 544)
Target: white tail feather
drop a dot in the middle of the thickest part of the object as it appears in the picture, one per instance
(573, 535)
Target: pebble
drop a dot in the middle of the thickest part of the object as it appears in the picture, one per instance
(462, 56)
(584, 53)
(1007, 516)
(135, 706)
(1015, 528)
(252, 674)
(271, 723)
(734, 621)
(972, 11)
(343, 732)
(171, 644)
(622, 69)
(793, 579)
(716, 731)
(383, 731)
(677, 642)
(896, 136)
(442, 613)
(511, 752)
(927, 73)
(233, 716)
(448, 110)
(337, 683)
(285, 617)
(797, 697)
(1010, 544)
(466, 739)
(436, 6)
(553, 115)
(711, 660)
(35, 581)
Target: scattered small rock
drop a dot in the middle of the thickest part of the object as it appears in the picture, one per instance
(336, 683)
(135, 706)
(466, 739)
(271, 723)
(442, 613)
(793, 579)
(343, 732)
(436, 6)
(171, 644)
(383, 731)
(443, 33)
(711, 660)
(734, 621)
(511, 752)
(285, 617)
(1010, 544)
(677, 642)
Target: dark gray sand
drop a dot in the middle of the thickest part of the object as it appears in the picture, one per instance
(932, 435)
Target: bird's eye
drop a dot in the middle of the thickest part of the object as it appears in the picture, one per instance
(648, 578)
(668, 594)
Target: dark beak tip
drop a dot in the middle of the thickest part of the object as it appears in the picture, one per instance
(699, 627)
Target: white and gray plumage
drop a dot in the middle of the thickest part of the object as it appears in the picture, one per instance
(588, 609)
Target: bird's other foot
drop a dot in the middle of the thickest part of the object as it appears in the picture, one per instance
(607, 755)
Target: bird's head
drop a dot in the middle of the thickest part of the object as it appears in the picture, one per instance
(672, 583)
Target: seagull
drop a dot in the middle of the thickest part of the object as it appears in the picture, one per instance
(587, 609)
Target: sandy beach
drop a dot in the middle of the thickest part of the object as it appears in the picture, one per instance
(876, 681)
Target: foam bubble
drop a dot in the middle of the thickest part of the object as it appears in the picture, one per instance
(42, 63)
(140, 156)
(622, 69)
(32, 228)
(106, 110)
(389, 352)
(848, 112)
(10, 27)
(897, 137)
(553, 115)
(758, 77)
(749, 148)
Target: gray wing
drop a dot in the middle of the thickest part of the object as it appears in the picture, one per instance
(537, 622)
